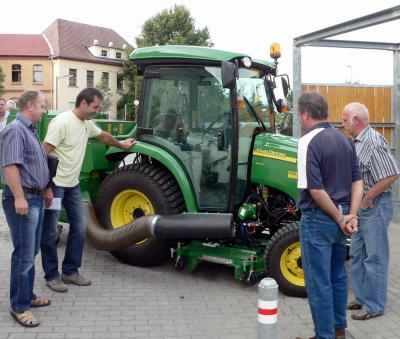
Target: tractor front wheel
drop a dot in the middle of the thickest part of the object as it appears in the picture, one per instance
(131, 192)
(283, 260)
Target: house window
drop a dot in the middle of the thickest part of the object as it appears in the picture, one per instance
(104, 78)
(120, 82)
(37, 74)
(89, 78)
(103, 53)
(16, 73)
(72, 79)
(118, 55)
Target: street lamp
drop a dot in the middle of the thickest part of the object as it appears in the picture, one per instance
(58, 78)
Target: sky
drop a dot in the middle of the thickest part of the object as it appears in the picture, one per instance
(244, 26)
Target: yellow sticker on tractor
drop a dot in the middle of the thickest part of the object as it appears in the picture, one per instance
(292, 175)
(274, 155)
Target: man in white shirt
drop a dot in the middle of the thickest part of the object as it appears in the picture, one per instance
(66, 138)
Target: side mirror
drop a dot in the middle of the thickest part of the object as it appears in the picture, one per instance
(228, 73)
(285, 87)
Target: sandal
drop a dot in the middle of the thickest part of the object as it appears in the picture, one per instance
(354, 306)
(40, 302)
(26, 319)
(365, 315)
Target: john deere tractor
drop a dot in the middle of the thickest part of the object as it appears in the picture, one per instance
(208, 178)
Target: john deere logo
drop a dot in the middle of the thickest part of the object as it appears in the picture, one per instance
(273, 155)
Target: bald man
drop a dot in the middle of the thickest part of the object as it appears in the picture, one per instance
(370, 245)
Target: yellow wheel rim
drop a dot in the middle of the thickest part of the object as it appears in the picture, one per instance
(128, 205)
(290, 264)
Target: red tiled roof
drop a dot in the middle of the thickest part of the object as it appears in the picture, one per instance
(71, 40)
(23, 45)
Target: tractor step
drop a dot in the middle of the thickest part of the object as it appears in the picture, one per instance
(248, 261)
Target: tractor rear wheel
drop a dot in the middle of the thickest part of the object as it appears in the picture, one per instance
(283, 260)
(131, 192)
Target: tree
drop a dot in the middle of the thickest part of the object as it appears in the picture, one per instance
(2, 77)
(173, 26)
(103, 87)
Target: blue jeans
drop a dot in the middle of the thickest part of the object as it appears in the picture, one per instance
(72, 201)
(323, 255)
(25, 233)
(369, 254)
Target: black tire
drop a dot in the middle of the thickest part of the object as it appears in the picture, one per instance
(283, 260)
(164, 194)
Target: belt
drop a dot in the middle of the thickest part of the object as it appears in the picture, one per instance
(34, 191)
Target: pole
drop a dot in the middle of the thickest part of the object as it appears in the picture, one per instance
(57, 92)
(267, 309)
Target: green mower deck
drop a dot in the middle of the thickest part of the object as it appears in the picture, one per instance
(248, 261)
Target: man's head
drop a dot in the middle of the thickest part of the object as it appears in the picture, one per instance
(355, 118)
(2, 105)
(32, 105)
(88, 103)
(312, 109)
(11, 104)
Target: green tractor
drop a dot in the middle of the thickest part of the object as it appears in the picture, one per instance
(208, 164)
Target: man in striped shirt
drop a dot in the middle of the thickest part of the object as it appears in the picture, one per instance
(26, 174)
(370, 245)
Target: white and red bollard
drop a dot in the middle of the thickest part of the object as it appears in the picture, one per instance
(267, 309)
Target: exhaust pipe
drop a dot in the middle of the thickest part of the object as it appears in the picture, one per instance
(175, 226)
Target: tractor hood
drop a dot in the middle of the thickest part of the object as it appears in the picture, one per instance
(275, 163)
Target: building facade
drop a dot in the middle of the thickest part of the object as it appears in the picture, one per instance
(83, 56)
(25, 61)
(66, 58)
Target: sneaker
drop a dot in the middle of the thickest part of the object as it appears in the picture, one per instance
(76, 279)
(57, 285)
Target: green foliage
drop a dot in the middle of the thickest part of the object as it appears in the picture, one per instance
(103, 87)
(2, 78)
(173, 26)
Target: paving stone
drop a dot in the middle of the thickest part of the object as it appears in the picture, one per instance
(158, 302)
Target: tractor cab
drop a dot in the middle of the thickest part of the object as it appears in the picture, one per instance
(204, 106)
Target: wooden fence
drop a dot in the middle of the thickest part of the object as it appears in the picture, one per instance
(378, 100)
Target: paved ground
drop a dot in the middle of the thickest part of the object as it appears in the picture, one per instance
(133, 302)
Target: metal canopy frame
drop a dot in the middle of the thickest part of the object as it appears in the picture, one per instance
(318, 39)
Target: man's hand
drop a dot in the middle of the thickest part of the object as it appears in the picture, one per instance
(21, 206)
(127, 143)
(48, 197)
(367, 201)
(351, 223)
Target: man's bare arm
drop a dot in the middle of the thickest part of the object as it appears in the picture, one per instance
(378, 188)
(324, 202)
(11, 173)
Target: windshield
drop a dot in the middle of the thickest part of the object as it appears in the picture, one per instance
(251, 85)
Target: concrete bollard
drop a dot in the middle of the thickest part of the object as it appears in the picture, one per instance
(267, 309)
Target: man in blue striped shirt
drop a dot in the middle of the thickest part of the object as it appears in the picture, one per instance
(370, 245)
(26, 174)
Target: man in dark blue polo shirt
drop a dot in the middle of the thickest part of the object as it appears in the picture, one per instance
(330, 186)
(26, 174)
